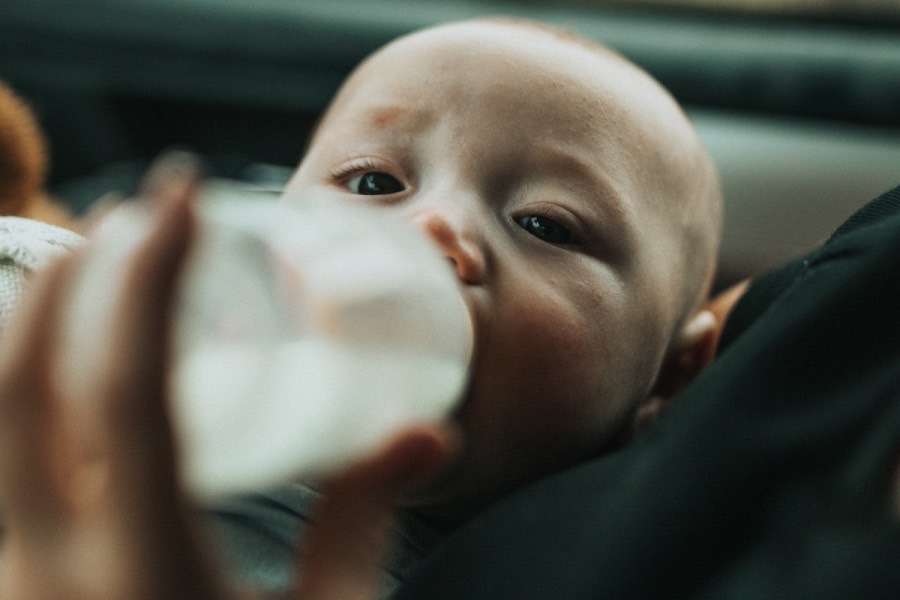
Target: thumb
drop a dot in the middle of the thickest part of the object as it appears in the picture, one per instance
(350, 532)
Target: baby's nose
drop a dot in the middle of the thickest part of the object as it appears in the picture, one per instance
(452, 240)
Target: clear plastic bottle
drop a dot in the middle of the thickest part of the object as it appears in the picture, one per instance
(307, 332)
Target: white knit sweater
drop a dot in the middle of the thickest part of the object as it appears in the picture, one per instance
(25, 246)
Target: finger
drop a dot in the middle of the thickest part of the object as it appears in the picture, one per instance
(32, 442)
(170, 174)
(136, 405)
(350, 532)
(148, 514)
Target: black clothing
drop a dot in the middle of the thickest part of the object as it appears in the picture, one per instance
(767, 478)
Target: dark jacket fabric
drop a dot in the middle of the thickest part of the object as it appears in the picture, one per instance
(768, 478)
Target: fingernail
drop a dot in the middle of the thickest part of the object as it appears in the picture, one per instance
(170, 174)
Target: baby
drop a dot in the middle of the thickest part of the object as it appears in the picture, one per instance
(582, 217)
(581, 214)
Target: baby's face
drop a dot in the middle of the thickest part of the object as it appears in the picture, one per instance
(530, 176)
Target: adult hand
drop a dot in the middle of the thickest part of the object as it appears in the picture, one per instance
(89, 496)
(88, 478)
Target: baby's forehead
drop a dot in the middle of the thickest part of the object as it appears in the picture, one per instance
(485, 41)
(543, 82)
(487, 63)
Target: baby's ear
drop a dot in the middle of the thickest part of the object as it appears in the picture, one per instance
(691, 352)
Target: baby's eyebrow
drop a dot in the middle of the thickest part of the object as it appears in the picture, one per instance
(603, 199)
(609, 204)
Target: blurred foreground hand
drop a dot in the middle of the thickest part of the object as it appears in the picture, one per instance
(89, 493)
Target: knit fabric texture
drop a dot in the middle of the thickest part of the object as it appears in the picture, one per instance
(26, 246)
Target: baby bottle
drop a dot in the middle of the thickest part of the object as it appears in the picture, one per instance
(307, 331)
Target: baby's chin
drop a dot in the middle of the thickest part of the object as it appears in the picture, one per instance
(447, 499)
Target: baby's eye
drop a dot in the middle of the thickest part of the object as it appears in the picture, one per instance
(546, 229)
(374, 183)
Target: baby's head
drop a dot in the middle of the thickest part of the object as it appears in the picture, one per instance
(579, 210)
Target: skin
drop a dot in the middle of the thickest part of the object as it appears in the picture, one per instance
(580, 213)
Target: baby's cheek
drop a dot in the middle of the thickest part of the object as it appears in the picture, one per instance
(555, 352)
(594, 361)
(538, 397)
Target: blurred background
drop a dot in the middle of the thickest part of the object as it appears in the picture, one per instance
(798, 100)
